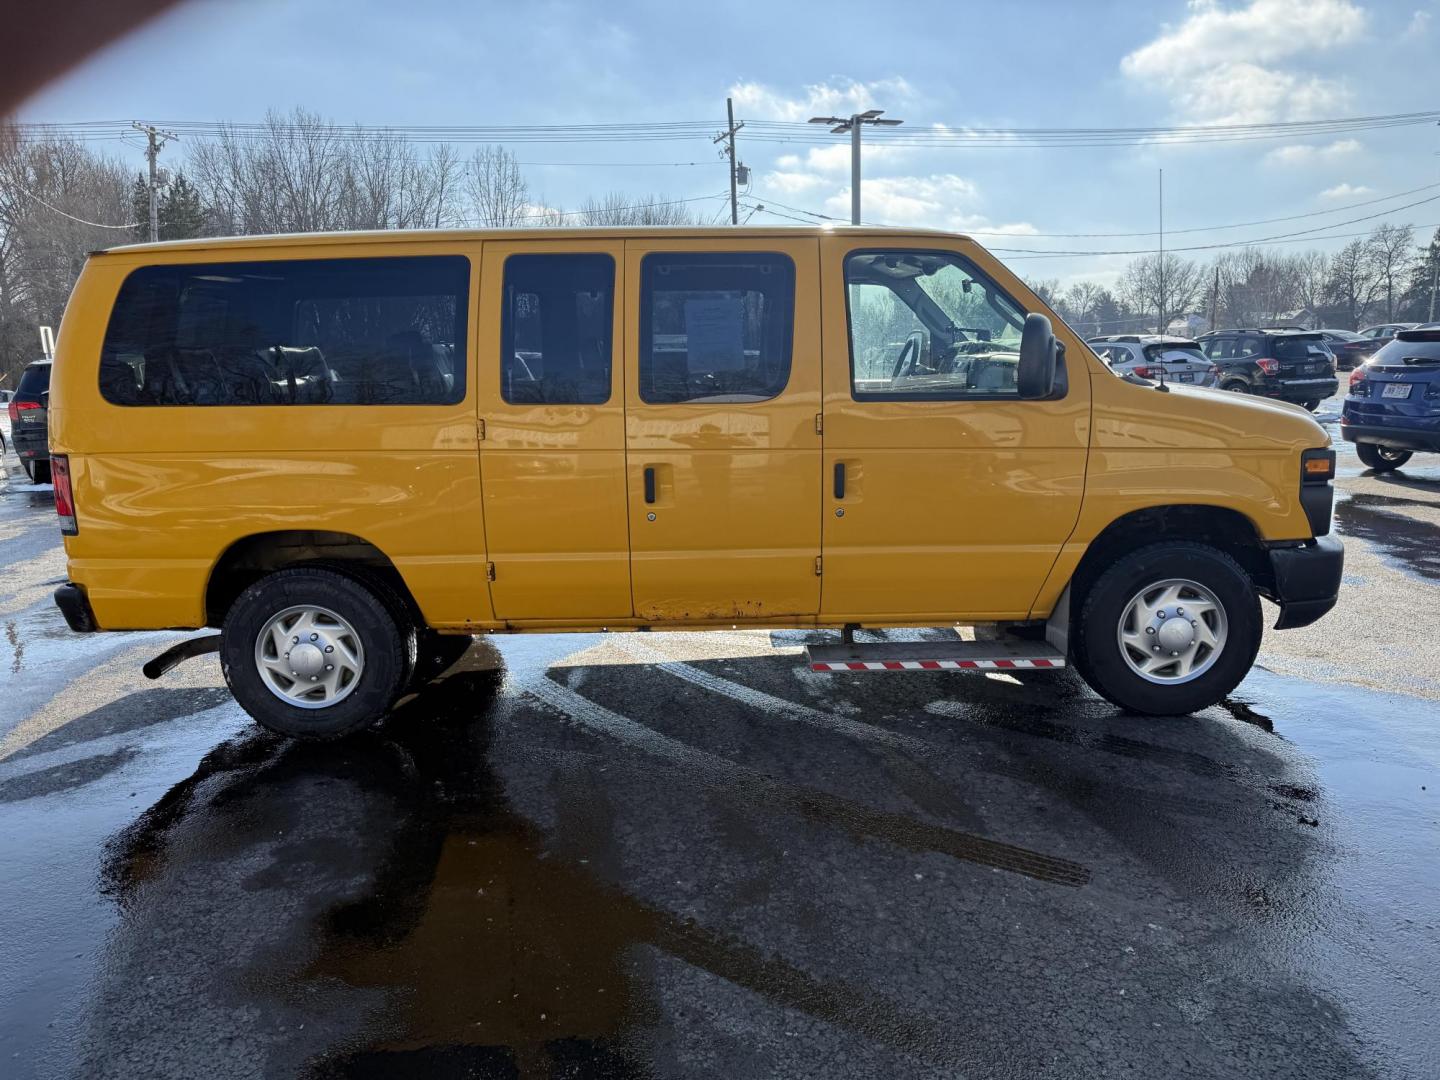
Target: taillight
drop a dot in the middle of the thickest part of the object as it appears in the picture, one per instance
(1269, 365)
(17, 407)
(1357, 380)
(64, 500)
(1142, 371)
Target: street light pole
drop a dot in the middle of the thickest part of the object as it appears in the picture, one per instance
(851, 125)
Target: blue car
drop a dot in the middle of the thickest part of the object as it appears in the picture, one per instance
(1393, 408)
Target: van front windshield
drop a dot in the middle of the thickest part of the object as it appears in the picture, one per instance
(928, 324)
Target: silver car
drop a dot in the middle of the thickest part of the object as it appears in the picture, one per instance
(1156, 356)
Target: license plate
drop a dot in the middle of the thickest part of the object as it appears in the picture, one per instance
(1184, 376)
(1396, 390)
(30, 416)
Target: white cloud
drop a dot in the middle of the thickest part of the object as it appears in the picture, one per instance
(1227, 65)
(1304, 154)
(1419, 23)
(1346, 191)
(757, 101)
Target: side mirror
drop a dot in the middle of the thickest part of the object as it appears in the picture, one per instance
(1040, 355)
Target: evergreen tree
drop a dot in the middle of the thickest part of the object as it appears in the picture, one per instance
(181, 214)
(140, 207)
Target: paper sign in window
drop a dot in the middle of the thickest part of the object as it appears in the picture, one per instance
(714, 334)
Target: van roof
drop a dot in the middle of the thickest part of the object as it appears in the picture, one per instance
(574, 232)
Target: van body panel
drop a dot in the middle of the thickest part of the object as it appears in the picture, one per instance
(954, 511)
(168, 488)
(553, 476)
(734, 529)
(949, 506)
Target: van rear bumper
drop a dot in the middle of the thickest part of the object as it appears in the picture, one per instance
(75, 606)
(1307, 580)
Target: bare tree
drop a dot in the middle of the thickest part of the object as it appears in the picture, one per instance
(499, 195)
(1166, 285)
(1355, 281)
(1390, 248)
(1312, 278)
(617, 208)
(302, 173)
(56, 199)
(1080, 301)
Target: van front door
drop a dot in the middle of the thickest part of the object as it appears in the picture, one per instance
(723, 456)
(947, 496)
(552, 456)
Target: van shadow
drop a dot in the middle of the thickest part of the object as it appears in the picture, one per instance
(498, 949)
(1413, 543)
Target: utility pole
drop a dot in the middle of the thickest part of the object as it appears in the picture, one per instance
(1215, 298)
(851, 125)
(1434, 281)
(155, 139)
(1160, 266)
(728, 136)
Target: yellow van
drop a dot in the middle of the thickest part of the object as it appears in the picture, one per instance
(349, 452)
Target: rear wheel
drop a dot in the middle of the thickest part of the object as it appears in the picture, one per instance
(1169, 629)
(313, 654)
(1312, 405)
(1235, 386)
(1381, 458)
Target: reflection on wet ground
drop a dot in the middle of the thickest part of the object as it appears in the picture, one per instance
(1415, 544)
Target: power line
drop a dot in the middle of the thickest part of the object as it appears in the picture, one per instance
(937, 135)
(72, 217)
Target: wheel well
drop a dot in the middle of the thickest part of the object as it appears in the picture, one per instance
(249, 559)
(1228, 530)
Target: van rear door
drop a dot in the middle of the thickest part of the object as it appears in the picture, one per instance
(552, 455)
(723, 455)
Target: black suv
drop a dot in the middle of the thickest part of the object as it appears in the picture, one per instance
(1291, 365)
(28, 411)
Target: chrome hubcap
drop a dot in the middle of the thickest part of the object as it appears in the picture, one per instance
(1172, 631)
(309, 657)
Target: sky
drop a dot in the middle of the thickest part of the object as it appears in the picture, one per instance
(954, 63)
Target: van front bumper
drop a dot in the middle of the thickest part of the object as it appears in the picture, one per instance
(1307, 580)
(75, 606)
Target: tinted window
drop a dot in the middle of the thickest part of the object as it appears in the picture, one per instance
(1397, 351)
(309, 332)
(1299, 348)
(555, 345)
(715, 327)
(1175, 354)
(34, 381)
(927, 325)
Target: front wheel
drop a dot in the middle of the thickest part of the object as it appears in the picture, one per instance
(313, 654)
(1169, 629)
(1381, 458)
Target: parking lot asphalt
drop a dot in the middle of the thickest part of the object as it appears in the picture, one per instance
(685, 855)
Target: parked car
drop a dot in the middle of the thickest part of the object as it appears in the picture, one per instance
(28, 410)
(1393, 407)
(1383, 332)
(1350, 349)
(1290, 365)
(1156, 356)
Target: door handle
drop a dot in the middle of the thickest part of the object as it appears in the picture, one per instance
(649, 483)
(839, 479)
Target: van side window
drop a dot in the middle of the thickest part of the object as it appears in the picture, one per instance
(382, 331)
(555, 329)
(715, 327)
(929, 326)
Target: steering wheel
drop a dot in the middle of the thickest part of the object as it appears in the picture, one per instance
(910, 349)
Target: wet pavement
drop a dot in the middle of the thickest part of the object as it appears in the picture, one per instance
(670, 855)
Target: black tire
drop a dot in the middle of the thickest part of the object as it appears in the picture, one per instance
(1097, 653)
(386, 645)
(437, 653)
(40, 471)
(1236, 386)
(1311, 405)
(1381, 458)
